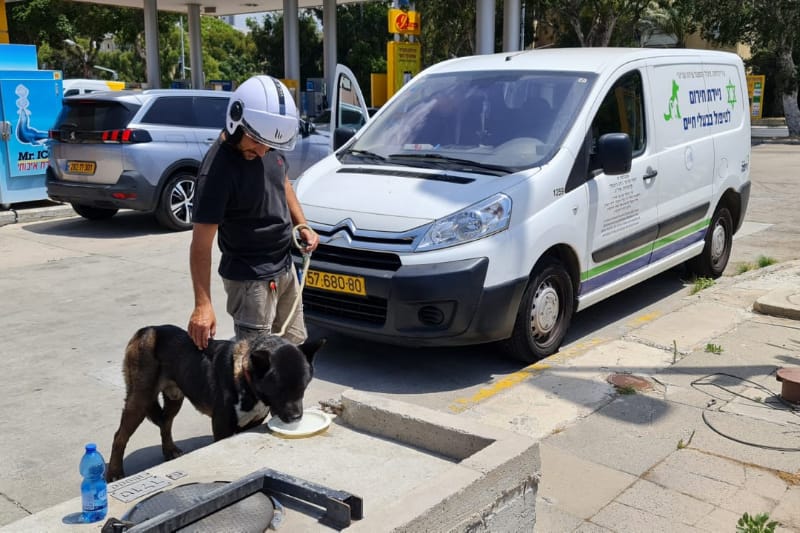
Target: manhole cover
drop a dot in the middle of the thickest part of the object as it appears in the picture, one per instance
(629, 381)
(251, 514)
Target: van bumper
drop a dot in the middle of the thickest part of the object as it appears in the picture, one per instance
(139, 194)
(442, 304)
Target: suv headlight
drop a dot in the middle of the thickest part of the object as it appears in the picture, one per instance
(475, 222)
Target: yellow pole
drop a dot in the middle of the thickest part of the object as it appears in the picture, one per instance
(3, 23)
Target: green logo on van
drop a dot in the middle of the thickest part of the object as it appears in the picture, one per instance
(731, 88)
(673, 110)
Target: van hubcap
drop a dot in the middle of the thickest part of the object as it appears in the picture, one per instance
(718, 242)
(545, 309)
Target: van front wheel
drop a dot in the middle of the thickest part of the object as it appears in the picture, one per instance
(544, 313)
(712, 261)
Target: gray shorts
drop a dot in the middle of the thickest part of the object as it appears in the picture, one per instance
(261, 307)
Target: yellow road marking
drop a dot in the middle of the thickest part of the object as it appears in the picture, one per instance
(644, 319)
(462, 404)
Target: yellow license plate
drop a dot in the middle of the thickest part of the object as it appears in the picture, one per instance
(81, 167)
(336, 282)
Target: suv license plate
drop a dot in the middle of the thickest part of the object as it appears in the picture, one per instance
(336, 282)
(81, 167)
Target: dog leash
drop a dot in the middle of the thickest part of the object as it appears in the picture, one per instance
(302, 274)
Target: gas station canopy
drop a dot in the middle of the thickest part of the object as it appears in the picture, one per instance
(215, 7)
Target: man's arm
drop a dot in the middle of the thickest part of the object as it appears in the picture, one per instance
(296, 211)
(203, 322)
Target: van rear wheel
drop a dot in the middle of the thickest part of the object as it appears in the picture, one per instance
(712, 261)
(174, 209)
(544, 314)
(93, 213)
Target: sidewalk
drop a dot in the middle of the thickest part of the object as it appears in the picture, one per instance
(699, 441)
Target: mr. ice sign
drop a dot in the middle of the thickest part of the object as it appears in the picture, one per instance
(405, 22)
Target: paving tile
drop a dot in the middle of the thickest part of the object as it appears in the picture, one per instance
(744, 501)
(550, 519)
(764, 483)
(588, 527)
(625, 519)
(691, 484)
(631, 434)
(664, 502)
(719, 520)
(565, 478)
(788, 510)
(715, 468)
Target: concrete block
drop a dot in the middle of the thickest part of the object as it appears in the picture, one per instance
(416, 470)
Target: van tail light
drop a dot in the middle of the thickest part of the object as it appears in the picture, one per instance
(54, 135)
(126, 136)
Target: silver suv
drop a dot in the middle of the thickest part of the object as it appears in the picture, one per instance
(141, 150)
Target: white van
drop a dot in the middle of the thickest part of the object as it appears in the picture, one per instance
(76, 86)
(493, 196)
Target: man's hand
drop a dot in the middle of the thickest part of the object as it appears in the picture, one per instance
(202, 326)
(311, 239)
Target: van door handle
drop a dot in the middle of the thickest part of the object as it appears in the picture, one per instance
(650, 173)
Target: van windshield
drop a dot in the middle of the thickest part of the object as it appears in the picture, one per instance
(495, 122)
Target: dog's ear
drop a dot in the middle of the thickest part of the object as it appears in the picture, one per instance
(259, 359)
(310, 348)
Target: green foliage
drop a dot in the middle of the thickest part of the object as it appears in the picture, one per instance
(626, 390)
(713, 348)
(755, 524)
(764, 261)
(701, 283)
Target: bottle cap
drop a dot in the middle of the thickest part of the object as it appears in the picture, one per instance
(91, 447)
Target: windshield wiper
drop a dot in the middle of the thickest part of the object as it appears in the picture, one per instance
(455, 163)
(366, 154)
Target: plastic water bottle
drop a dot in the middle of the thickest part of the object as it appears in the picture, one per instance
(94, 499)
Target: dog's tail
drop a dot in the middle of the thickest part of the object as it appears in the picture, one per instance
(141, 370)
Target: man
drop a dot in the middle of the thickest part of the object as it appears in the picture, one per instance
(244, 193)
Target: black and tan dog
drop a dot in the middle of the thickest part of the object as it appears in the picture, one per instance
(235, 384)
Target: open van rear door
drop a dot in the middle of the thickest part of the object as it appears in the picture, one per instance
(348, 108)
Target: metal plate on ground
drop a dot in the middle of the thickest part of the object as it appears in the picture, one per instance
(251, 514)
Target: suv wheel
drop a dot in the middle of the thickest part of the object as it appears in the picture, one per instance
(94, 213)
(174, 210)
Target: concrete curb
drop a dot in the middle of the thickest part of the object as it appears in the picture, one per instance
(35, 214)
(783, 302)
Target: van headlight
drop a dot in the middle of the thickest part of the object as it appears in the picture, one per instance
(475, 222)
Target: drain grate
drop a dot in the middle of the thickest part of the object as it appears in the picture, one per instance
(211, 505)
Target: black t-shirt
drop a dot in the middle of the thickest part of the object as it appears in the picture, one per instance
(247, 199)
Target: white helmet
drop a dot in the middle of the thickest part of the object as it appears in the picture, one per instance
(265, 110)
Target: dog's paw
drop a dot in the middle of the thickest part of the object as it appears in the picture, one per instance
(171, 452)
(114, 474)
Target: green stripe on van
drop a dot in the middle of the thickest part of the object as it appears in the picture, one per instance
(635, 254)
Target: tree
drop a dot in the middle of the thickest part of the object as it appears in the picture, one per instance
(772, 25)
(594, 22)
(268, 39)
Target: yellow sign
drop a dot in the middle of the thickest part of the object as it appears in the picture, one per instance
(755, 90)
(405, 22)
(404, 61)
(3, 23)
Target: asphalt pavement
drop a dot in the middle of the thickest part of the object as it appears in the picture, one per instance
(677, 425)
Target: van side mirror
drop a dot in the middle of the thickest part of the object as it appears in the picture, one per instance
(615, 153)
(341, 135)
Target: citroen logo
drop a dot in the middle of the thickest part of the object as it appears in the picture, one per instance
(72, 136)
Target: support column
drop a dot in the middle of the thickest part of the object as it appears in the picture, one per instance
(511, 16)
(291, 42)
(153, 64)
(196, 47)
(484, 31)
(3, 23)
(329, 45)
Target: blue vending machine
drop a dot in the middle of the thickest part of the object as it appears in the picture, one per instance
(30, 100)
